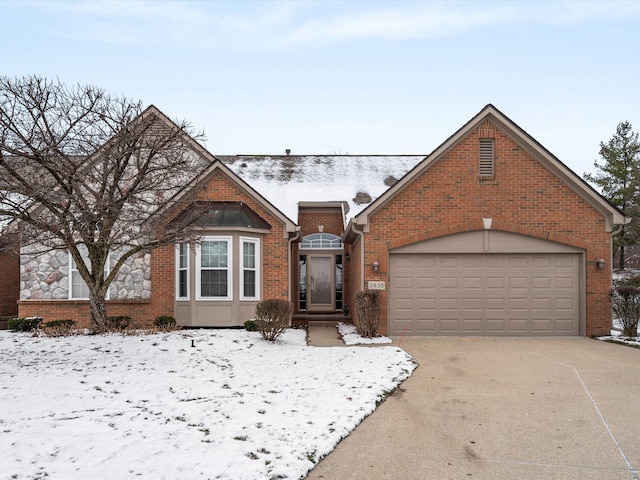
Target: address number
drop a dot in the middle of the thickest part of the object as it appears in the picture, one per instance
(376, 286)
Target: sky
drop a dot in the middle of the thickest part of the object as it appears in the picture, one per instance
(346, 77)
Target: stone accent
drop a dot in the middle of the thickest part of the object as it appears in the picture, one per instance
(46, 276)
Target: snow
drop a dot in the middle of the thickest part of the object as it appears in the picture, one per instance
(286, 180)
(350, 336)
(232, 406)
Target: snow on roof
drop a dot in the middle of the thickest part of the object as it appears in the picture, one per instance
(285, 180)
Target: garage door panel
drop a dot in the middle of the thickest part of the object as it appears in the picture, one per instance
(518, 282)
(450, 282)
(485, 294)
(541, 282)
(472, 283)
(565, 282)
(495, 282)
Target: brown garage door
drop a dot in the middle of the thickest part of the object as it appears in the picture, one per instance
(485, 294)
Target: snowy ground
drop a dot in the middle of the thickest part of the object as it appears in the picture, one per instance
(350, 336)
(231, 407)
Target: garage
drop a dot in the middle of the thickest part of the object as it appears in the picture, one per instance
(485, 293)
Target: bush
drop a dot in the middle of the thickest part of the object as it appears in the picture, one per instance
(165, 322)
(27, 324)
(625, 303)
(118, 323)
(627, 282)
(368, 312)
(250, 326)
(58, 328)
(273, 317)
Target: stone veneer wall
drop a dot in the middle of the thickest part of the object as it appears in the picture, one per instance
(46, 277)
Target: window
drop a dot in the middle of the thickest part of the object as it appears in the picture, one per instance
(302, 292)
(79, 289)
(486, 157)
(250, 274)
(182, 271)
(321, 241)
(213, 259)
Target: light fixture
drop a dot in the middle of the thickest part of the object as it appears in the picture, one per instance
(600, 263)
(376, 266)
(347, 257)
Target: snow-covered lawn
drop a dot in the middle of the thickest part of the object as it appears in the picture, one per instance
(350, 336)
(231, 407)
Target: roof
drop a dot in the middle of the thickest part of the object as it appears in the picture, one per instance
(612, 215)
(222, 214)
(287, 180)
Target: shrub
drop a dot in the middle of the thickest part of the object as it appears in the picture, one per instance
(26, 324)
(368, 312)
(273, 317)
(250, 326)
(58, 328)
(118, 323)
(627, 282)
(165, 322)
(625, 303)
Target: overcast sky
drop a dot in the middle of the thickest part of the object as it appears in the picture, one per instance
(355, 77)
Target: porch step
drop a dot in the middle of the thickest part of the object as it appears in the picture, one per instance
(303, 320)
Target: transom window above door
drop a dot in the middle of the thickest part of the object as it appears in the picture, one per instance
(321, 241)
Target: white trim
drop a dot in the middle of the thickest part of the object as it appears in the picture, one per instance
(257, 268)
(228, 268)
(178, 269)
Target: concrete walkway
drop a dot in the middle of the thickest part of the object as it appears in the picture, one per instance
(500, 408)
(324, 334)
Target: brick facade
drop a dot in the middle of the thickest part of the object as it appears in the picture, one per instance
(523, 197)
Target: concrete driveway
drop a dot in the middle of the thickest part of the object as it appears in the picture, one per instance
(502, 408)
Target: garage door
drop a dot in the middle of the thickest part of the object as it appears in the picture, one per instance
(485, 294)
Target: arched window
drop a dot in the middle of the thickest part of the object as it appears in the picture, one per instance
(321, 241)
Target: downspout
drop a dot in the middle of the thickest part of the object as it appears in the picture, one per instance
(615, 232)
(289, 260)
(361, 235)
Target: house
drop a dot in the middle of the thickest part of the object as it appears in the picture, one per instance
(490, 234)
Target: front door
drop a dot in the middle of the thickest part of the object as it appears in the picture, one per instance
(320, 288)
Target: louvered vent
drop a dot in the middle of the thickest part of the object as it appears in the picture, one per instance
(486, 157)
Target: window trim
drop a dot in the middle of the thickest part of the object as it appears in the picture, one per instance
(107, 269)
(179, 269)
(256, 269)
(229, 268)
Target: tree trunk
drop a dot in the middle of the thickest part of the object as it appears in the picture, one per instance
(621, 259)
(98, 313)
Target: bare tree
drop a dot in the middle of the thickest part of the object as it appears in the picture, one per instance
(86, 172)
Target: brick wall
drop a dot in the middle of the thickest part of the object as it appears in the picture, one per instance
(9, 283)
(330, 221)
(523, 197)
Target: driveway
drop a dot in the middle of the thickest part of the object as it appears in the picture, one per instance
(502, 408)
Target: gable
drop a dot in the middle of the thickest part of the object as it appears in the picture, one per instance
(454, 165)
(218, 183)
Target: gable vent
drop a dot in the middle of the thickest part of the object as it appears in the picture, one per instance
(486, 157)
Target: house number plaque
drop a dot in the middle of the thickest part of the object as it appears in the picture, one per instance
(376, 286)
